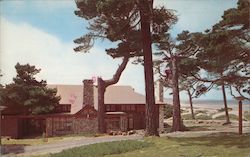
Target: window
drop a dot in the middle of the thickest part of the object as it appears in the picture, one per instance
(123, 107)
(62, 108)
(131, 123)
(127, 107)
(141, 108)
(132, 107)
(107, 107)
(112, 108)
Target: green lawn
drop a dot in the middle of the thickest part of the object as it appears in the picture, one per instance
(219, 145)
(101, 149)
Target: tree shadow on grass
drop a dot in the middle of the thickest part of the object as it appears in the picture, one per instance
(217, 139)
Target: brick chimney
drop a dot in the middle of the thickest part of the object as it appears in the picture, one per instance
(88, 93)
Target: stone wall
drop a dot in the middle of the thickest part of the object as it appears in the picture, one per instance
(57, 126)
(159, 94)
(85, 125)
(161, 118)
(83, 121)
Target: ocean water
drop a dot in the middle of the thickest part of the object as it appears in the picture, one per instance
(218, 104)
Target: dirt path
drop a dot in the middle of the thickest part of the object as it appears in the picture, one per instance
(59, 146)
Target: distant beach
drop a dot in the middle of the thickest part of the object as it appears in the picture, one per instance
(216, 104)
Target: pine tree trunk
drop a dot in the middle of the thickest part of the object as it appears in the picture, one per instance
(151, 126)
(191, 104)
(225, 103)
(102, 85)
(177, 126)
(101, 107)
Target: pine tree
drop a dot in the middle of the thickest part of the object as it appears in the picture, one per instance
(27, 95)
(128, 24)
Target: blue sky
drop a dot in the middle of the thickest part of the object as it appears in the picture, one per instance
(54, 16)
(41, 32)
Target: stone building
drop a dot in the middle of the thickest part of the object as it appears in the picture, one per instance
(77, 112)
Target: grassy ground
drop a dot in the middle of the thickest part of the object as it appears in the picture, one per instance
(35, 141)
(247, 115)
(219, 145)
(216, 145)
(231, 117)
(103, 149)
(40, 140)
(198, 117)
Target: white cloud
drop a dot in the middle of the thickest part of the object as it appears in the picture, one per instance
(52, 5)
(41, 4)
(196, 15)
(58, 62)
(26, 44)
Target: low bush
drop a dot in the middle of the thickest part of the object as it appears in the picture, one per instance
(186, 117)
(203, 117)
(223, 109)
(200, 111)
(231, 117)
(168, 111)
(247, 115)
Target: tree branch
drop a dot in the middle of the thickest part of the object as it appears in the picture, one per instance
(239, 92)
(205, 80)
(118, 73)
(231, 92)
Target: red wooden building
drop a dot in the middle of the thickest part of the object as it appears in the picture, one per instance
(77, 112)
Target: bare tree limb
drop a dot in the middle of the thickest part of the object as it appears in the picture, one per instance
(118, 73)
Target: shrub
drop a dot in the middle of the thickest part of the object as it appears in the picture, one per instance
(223, 109)
(186, 117)
(231, 117)
(203, 117)
(168, 111)
(200, 111)
(247, 115)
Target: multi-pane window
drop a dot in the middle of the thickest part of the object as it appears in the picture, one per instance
(108, 108)
(132, 107)
(123, 107)
(127, 107)
(112, 108)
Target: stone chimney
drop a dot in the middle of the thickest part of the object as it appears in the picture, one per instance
(88, 93)
(160, 98)
(159, 91)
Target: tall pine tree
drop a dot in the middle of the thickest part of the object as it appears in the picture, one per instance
(128, 24)
(26, 95)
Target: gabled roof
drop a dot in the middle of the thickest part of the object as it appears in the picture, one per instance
(73, 94)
